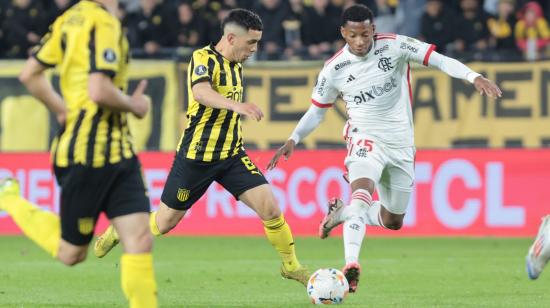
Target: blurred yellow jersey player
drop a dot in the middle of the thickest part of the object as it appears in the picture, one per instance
(93, 159)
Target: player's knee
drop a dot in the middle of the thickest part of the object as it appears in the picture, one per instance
(140, 242)
(269, 210)
(72, 259)
(393, 222)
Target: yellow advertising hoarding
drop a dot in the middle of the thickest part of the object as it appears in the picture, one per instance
(448, 112)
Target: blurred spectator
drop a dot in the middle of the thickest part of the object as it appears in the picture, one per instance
(386, 22)
(189, 30)
(148, 28)
(321, 29)
(23, 27)
(3, 43)
(471, 31)
(502, 26)
(272, 13)
(292, 27)
(437, 24)
(57, 7)
(532, 33)
(215, 26)
(408, 15)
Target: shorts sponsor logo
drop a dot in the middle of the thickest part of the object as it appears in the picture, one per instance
(381, 50)
(409, 47)
(183, 194)
(375, 91)
(200, 70)
(86, 225)
(342, 64)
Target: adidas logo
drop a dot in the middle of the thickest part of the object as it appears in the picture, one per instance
(350, 78)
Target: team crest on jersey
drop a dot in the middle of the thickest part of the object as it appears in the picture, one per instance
(200, 70)
(109, 55)
(362, 152)
(385, 64)
(183, 194)
(86, 225)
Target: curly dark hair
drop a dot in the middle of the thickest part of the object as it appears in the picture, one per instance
(244, 18)
(357, 13)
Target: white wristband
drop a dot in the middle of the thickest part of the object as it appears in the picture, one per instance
(471, 76)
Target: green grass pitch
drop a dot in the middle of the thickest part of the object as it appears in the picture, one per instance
(243, 272)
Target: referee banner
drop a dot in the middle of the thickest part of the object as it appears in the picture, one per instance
(457, 192)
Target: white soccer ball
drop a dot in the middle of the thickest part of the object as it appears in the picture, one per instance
(327, 286)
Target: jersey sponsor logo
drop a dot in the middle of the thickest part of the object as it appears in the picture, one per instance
(385, 64)
(183, 194)
(342, 64)
(321, 87)
(235, 95)
(85, 225)
(409, 47)
(200, 70)
(375, 91)
(109, 55)
(362, 152)
(381, 50)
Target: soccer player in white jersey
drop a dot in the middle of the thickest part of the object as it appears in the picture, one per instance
(372, 76)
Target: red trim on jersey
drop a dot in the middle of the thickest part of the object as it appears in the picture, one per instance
(409, 83)
(339, 52)
(428, 53)
(320, 105)
(382, 36)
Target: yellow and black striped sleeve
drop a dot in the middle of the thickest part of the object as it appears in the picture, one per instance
(201, 67)
(49, 51)
(104, 46)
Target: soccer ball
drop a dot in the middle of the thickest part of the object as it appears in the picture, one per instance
(327, 286)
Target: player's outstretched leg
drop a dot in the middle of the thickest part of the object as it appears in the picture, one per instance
(40, 226)
(539, 252)
(332, 218)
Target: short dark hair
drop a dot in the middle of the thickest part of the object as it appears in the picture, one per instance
(243, 18)
(357, 13)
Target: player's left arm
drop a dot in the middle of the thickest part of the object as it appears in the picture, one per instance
(34, 78)
(420, 52)
(457, 69)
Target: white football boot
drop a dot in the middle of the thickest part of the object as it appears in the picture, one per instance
(539, 253)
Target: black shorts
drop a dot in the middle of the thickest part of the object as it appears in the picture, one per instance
(188, 180)
(116, 190)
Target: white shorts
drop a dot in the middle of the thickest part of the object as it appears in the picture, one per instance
(391, 169)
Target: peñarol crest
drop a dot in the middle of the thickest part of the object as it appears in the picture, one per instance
(183, 194)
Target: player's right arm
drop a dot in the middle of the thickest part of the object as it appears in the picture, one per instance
(323, 97)
(202, 70)
(104, 65)
(204, 94)
(47, 54)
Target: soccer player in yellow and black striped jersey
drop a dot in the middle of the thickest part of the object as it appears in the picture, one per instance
(211, 148)
(94, 162)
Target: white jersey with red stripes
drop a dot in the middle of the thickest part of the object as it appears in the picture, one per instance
(375, 88)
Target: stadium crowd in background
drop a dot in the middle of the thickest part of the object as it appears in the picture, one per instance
(303, 29)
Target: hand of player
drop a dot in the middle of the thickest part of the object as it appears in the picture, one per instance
(285, 150)
(486, 87)
(139, 102)
(249, 110)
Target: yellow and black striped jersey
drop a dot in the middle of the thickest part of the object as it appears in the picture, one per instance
(87, 39)
(212, 134)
